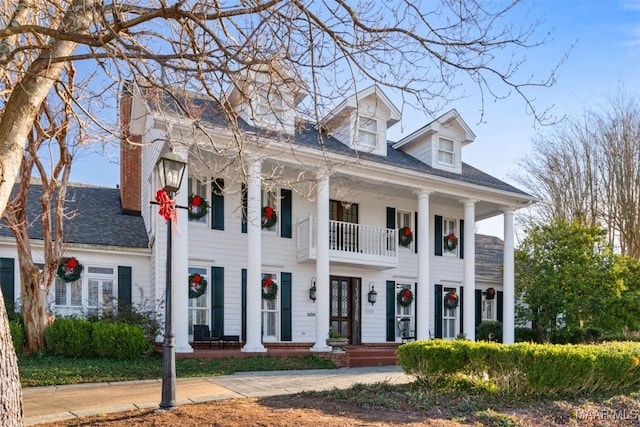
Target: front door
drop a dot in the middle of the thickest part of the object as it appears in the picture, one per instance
(345, 307)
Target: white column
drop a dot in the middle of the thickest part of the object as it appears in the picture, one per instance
(254, 258)
(469, 285)
(322, 264)
(508, 281)
(180, 264)
(424, 288)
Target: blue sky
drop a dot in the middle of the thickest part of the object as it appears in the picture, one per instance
(602, 38)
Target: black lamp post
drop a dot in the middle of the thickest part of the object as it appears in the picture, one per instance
(171, 169)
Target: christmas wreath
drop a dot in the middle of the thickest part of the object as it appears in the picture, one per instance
(269, 217)
(269, 289)
(450, 242)
(405, 237)
(198, 207)
(490, 293)
(197, 285)
(451, 300)
(405, 297)
(70, 269)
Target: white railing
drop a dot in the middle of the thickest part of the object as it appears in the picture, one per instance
(348, 242)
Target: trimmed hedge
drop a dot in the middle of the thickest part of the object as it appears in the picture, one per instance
(81, 338)
(70, 337)
(118, 340)
(17, 336)
(526, 368)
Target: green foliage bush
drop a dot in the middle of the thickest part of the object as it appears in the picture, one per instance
(118, 340)
(527, 369)
(17, 335)
(70, 337)
(525, 335)
(145, 318)
(489, 331)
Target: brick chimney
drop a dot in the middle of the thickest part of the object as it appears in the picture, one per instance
(130, 157)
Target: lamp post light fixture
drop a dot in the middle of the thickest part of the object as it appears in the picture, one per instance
(312, 290)
(372, 296)
(171, 169)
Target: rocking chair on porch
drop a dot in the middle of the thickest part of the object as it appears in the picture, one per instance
(202, 336)
(404, 325)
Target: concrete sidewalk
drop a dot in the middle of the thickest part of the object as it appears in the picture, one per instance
(47, 404)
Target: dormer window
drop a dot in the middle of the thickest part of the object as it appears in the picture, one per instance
(367, 132)
(270, 107)
(445, 152)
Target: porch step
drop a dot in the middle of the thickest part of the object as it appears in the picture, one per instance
(372, 356)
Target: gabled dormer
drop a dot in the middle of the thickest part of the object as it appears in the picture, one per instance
(439, 144)
(267, 96)
(361, 121)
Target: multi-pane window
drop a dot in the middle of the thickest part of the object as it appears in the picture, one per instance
(403, 219)
(367, 132)
(101, 294)
(269, 199)
(450, 236)
(270, 313)
(488, 309)
(198, 188)
(270, 107)
(449, 318)
(404, 312)
(199, 307)
(445, 152)
(68, 294)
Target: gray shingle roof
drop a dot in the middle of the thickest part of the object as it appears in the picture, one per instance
(489, 256)
(98, 220)
(209, 113)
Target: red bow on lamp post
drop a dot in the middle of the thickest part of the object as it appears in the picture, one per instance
(167, 206)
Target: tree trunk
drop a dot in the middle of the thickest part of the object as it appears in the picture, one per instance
(10, 391)
(35, 307)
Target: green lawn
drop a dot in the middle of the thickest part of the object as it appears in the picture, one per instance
(54, 370)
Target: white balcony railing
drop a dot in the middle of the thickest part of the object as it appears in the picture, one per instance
(350, 243)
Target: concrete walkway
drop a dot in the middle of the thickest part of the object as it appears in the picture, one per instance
(47, 404)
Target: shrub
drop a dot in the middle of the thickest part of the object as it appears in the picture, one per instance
(525, 368)
(70, 337)
(489, 331)
(146, 319)
(526, 335)
(118, 340)
(17, 335)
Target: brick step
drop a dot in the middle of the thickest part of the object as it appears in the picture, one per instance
(372, 357)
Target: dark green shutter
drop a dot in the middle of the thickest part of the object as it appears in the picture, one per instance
(391, 307)
(438, 304)
(285, 307)
(478, 307)
(217, 204)
(415, 233)
(7, 282)
(243, 190)
(461, 308)
(500, 302)
(415, 310)
(461, 242)
(286, 213)
(217, 301)
(438, 236)
(244, 304)
(391, 218)
(124, 286)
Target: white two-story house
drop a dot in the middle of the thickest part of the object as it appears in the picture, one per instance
(307, 227)
(360, 235)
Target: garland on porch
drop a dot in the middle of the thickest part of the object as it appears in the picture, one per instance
(269, 289)
(197, 285)
(450, 242)
(269, 217)
(198, 207)
(405, 237)
(490, 293)
(405, 297)
(70, 269)
(451, 300)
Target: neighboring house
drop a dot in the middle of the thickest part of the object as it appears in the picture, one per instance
(342, 199)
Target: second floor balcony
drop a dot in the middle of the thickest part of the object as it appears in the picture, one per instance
(350, 243)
